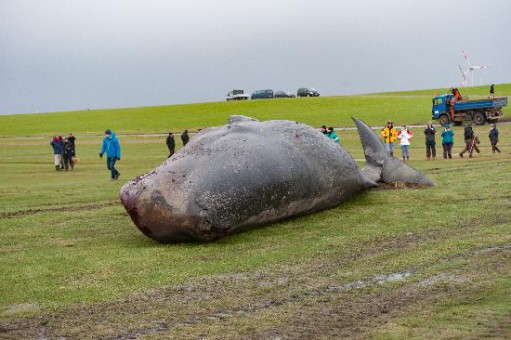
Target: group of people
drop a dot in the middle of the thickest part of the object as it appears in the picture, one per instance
(64, 149)
(64, 152)
(330, 133)
(171, 142)
(389, 135)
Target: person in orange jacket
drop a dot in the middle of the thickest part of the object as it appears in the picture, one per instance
(389, 134)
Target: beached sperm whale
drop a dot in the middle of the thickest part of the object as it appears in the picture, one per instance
(250, 173)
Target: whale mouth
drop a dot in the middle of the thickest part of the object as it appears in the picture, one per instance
(157, 219)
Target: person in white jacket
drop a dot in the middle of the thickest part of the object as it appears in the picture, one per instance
(405, 136)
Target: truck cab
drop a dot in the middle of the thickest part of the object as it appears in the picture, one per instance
(441, 108)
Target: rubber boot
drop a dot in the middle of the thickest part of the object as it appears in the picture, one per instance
(56, 168)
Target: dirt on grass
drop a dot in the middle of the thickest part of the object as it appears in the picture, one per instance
(288, 302)
(81, 207)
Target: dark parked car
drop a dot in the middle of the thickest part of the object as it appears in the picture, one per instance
(307, 92)
(262, 94)
(284, 94)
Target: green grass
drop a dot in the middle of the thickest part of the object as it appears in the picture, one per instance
(402, 107)
(70, 255)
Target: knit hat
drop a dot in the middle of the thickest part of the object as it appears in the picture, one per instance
(108, 132)
(447, 126)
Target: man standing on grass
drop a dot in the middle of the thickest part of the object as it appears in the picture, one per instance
(494, 138)
(184, 137)
(171, 144)
(430, 132)
(389, 134)
(113, 152)
(72, 140)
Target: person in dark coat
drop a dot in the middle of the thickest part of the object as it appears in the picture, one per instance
(494, 138)
(184, 137)
(471, 141)
(68, 155)
(324, 131)
(430, 132)
(72, 139)
(492, 91)
(171, 144)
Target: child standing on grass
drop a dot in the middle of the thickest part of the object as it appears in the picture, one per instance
(447, 141)
(405, 136)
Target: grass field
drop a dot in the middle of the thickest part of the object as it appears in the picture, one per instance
(430, 263)
(403, 107)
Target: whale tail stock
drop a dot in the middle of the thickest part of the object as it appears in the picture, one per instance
(380, 167)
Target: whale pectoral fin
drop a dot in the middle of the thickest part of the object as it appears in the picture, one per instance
(240, 118)
(380, 167)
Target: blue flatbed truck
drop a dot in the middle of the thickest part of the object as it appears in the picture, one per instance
(478, 111)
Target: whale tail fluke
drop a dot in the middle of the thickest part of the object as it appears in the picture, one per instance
(380, 167)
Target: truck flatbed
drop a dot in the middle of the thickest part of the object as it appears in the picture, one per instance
(478, 104)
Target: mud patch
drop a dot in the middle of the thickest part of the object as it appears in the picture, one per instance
(444, 278)
(378, 279)
(397, 185)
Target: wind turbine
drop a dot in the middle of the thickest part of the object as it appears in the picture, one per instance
(469, 72)
(463, 76)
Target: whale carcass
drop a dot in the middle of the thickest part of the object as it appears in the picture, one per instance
(250, 173)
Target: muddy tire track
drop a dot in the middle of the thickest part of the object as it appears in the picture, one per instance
(203, 300)
(74, 207)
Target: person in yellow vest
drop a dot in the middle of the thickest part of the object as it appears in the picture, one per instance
(389, 134)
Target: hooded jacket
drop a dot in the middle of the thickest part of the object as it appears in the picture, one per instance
(405, 136)
(447, 136)
(111, 146)
(334, 137)
(388, 134)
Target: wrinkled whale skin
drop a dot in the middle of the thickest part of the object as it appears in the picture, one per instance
(241, 175)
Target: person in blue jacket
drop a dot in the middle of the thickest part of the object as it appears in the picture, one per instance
(447, 141)
(113, 152)
(58, 149)
(333, 136)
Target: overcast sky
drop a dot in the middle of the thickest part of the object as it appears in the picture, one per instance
(59, 55)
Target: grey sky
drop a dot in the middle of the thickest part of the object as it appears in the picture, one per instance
(58, 55)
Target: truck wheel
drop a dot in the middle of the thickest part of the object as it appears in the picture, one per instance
(444, 119)
(479, 118)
